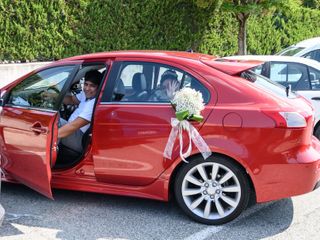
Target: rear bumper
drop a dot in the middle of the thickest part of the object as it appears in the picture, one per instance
(290, 179)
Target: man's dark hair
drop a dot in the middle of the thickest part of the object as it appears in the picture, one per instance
(93, 76)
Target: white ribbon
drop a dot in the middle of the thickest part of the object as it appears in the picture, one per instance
(194, 136)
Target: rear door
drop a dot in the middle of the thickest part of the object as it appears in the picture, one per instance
(28, 127)
(130, 129)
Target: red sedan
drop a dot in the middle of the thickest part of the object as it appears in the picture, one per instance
(260, 135)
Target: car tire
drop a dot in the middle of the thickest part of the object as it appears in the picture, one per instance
(213, 191)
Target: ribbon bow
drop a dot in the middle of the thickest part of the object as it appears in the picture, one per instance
(178, 125)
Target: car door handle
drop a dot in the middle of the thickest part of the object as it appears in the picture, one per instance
(316, 98)
(38, 128)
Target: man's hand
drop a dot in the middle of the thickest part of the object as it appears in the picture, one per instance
(49, 96)
(71, 127)
(172, 87)
(71, 100)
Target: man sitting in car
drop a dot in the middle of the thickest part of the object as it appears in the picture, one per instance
(70, 132)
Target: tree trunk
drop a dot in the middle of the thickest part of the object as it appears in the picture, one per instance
(242, 34)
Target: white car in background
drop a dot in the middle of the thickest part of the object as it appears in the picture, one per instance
(301, 75)
(309, 48)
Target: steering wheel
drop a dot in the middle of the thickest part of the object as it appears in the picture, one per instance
(66, 110)
(37, 99)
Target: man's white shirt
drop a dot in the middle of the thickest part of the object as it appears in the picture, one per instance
(84, 110)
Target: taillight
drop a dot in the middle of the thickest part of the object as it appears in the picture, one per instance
(287, 119)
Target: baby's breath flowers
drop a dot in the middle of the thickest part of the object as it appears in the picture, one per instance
(188, 104)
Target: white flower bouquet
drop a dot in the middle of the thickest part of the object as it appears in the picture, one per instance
(188, 104)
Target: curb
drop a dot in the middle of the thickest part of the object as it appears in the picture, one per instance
(1, 214)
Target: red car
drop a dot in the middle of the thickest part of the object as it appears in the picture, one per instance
(260, 134)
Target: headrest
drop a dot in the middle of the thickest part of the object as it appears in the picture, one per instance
(139, 82)
(120, 89)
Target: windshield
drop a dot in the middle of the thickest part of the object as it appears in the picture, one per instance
(290, 51)
(268, 85)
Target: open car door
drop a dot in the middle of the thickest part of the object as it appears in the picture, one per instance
(28, 146)
(29, 129)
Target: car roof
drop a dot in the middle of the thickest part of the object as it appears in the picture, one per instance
(308, 42)
(185, 57)
(268, 58)
(140, 53)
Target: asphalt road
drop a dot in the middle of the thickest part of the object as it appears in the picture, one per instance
(78, 215)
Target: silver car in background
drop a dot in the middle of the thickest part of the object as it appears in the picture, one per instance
(309, 48)
(301, 75)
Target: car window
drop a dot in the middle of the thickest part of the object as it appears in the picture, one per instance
(28, 93)
(133, 82)
(315, 55)
(298, 76)
(278, 72)
(145, 82)
(257, 69)
(290, 51)
(163, 69)
(294, 74)
(268, 85)
(128, 72)
(192, 82)
(314, 78)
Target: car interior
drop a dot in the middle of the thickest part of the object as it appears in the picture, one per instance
(68, 157)
(133, 87)
(286, 74)
(140, 82)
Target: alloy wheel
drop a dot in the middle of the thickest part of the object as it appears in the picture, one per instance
(212, 192)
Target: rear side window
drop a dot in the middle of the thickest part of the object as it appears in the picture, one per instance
(194, 83)
(278, 72)
(268, 85)
(293, 74)
(146, 82)
(315, 55)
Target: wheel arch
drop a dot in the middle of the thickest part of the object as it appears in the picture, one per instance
(190, 158)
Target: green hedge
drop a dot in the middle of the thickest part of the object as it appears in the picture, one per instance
(34, 29)
(268, 35)
(46, 29)
(144, 24)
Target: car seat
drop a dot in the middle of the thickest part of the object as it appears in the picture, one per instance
(68, 157)
(139, 86)
(119, 91)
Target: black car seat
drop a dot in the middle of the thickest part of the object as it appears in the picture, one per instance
(139, 86)
(119, 91)
(68, 157)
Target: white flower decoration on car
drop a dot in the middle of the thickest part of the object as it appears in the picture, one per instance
(188, 104)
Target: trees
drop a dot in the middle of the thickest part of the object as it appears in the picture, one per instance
(312, 4)
(242, 10)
